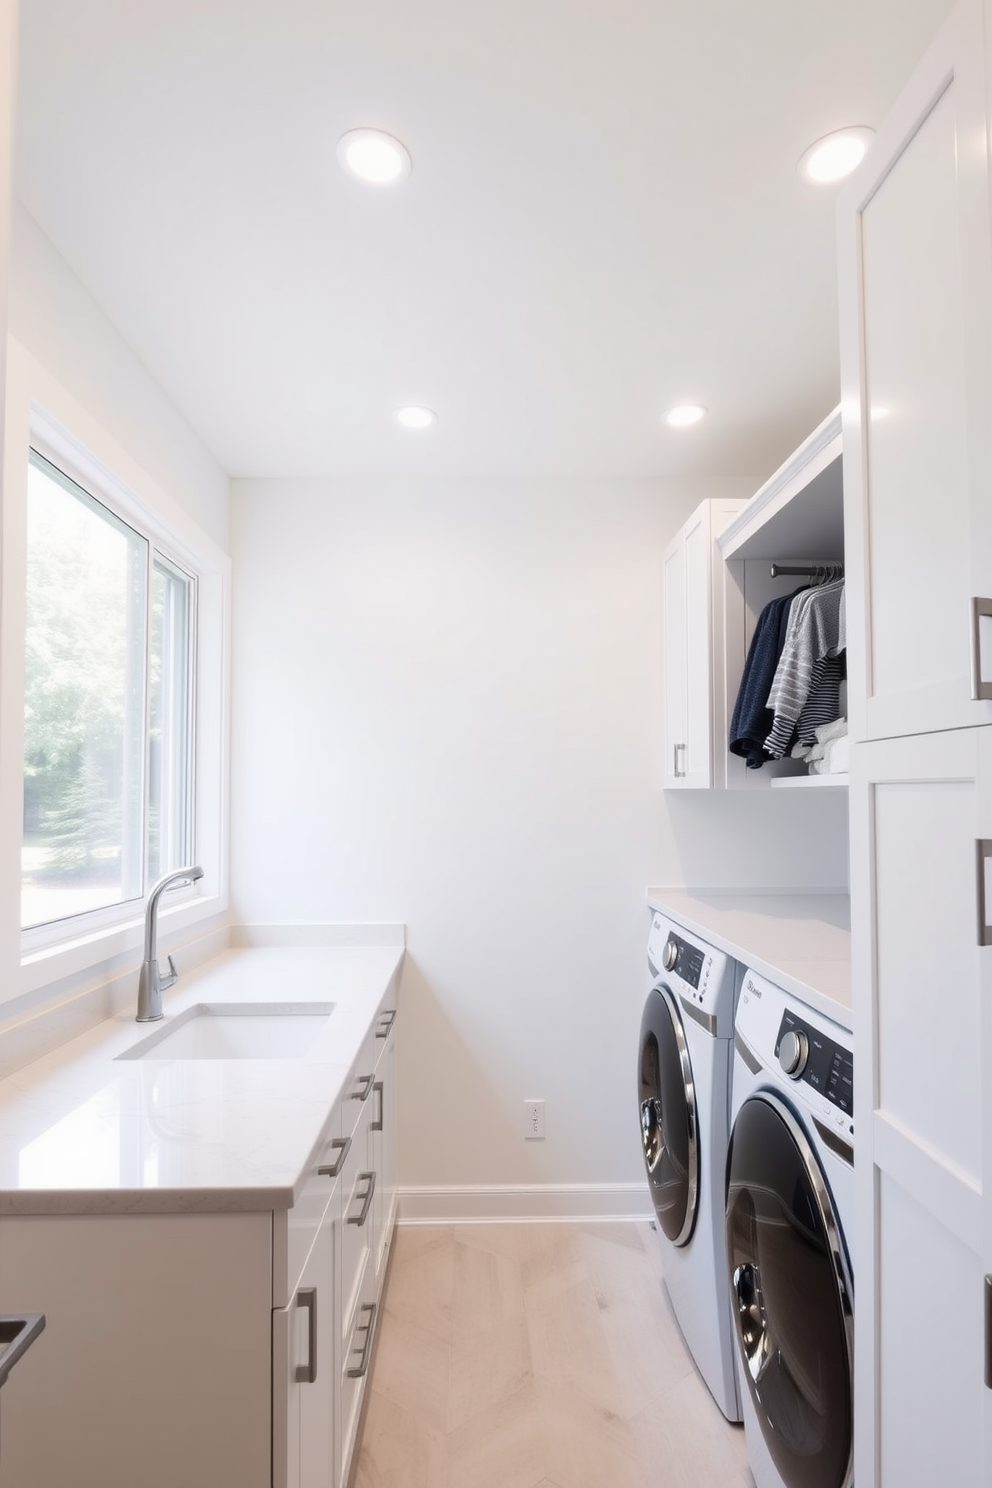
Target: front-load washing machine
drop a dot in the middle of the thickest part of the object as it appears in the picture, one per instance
(790, 1197)
(684, 1070)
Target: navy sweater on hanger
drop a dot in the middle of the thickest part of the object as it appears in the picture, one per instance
(752, 719)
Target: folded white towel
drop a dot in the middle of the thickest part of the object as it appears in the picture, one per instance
(835, 760)
(838, 755)
(827, 731)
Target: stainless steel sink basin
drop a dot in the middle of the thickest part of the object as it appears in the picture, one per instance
(236, 1030)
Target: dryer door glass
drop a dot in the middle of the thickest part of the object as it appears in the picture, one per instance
(668, 1116)
(791, 1295)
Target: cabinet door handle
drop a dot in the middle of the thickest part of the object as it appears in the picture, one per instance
(981, 609)
(359, 1219)
(386, 1023)
(366, 1082)
(342, 1145)
(358, 1370)
(679, 749)
(376, 1125)
(306, 1374)
(984, 856)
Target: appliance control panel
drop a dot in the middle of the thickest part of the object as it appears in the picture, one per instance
(797, 1046)
(684, 959)
(701, 975)
(807, 1054)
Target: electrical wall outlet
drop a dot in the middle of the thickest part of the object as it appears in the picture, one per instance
(534, 1120)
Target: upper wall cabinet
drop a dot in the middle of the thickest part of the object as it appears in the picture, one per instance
(695, 686)
(915, 256)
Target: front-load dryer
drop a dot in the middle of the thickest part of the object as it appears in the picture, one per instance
(790, 1198)
(684, 1069)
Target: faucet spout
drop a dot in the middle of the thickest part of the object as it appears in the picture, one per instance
(150, 980)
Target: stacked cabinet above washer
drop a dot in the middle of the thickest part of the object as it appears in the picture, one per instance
(695, 718)
(717, 580)
(915, 252)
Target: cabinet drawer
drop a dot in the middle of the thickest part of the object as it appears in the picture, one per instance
(382, 1026)
(357, 1097)
(294, 1229)
(356, 1358)
(357, 1229)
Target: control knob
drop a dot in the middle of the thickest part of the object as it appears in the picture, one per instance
(670, 954)
(793, 1053)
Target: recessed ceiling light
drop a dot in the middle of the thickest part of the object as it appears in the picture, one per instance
(416, 418)
(835, 155)
(372, 156)
(685, 414)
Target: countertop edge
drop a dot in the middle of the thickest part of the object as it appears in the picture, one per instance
(790, 972)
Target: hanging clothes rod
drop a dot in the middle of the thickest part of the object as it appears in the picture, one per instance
(809, 571)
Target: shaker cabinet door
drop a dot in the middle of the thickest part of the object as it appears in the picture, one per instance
(920, 909)
(673, 621)
(695, 675)
(915, 255)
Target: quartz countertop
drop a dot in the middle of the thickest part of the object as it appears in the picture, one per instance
(84, 1132)
(802, 942)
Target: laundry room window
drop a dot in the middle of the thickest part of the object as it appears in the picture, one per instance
(108, 704)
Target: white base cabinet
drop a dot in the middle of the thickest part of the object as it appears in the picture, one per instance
(921, 906)
(209, 1349)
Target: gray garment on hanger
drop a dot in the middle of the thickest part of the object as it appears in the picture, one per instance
(817, 629)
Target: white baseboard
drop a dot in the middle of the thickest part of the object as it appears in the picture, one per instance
(534, 1203)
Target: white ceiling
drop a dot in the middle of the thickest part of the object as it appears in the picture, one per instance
(604, 217)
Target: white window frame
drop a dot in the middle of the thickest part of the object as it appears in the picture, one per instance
(105, 491)
(103, 941)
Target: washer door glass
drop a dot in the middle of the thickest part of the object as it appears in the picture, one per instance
(669, 1134)
(791, 1295)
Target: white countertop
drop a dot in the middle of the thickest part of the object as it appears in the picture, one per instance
(82, 1132)
(802, 942)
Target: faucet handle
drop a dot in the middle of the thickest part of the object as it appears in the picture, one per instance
(172, 976)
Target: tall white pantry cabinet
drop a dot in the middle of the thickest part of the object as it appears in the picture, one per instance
(915, 254)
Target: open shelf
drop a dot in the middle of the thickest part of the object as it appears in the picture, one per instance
(809, 782)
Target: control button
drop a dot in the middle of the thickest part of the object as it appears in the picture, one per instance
(793, 1053)
(670, 954)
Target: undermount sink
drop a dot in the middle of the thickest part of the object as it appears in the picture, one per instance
(236, 1030)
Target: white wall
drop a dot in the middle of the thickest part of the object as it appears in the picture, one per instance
(447, 711)
(63, 327)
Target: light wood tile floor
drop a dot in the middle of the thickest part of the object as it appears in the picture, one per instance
(537, 1356)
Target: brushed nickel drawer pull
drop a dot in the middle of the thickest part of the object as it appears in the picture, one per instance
(386, 1023)
(981, 609)
(358, 1370)
(359, 1219)
(984, 857)
(306, 1374)
(366, 1082)
(376, 1125)
(342, 1145)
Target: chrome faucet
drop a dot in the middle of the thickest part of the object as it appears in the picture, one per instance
(151, 983)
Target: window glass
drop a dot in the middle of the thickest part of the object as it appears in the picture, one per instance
(107, 715)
